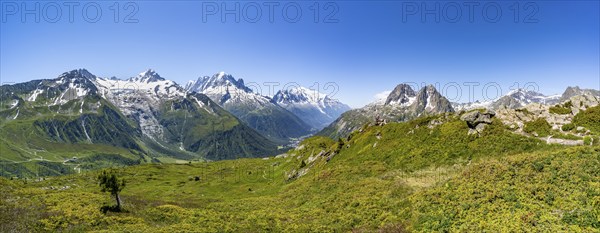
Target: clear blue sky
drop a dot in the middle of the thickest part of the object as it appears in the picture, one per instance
(374, 45)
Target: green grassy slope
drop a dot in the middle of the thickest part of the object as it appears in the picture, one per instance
(208, 131)
(414, 176)
(543, 192)
(590, 119)
(274, 122)
(40, 143)
(38, 137)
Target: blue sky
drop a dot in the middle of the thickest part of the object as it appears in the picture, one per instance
(365, 48)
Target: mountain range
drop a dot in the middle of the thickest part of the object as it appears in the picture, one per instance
(529, 168)
(519, 98)
(315, 108)
(257, 111)
(140, 118)
(147, 118)
(403, 103)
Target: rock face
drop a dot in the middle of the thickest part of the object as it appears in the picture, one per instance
(582, 102)
(429, 100)
(478, 120)
(575, 91)
(402, 94)
(506, 102)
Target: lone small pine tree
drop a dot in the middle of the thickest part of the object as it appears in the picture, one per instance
(109, 182)
(339, 146)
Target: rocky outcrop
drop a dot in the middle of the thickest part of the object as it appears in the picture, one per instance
(565, 142)
(582, 102)
(477, 121)
(516, 118)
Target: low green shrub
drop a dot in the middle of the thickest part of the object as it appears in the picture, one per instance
(560, 110)
(539, 126)
(590, 119)
(568, 127)
(587, 140)
(565, 136)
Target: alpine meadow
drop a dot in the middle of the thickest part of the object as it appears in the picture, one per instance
(340, 116)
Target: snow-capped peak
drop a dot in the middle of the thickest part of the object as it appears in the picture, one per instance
(299, 95)
(525, 97)
(523, 92)
(74, 84)
(147, 72)
(220, 74)
(313, 107)
(74, 75)
(515, 98)
(147, 77)
(147, 82)
(223, 87)
(220, 83)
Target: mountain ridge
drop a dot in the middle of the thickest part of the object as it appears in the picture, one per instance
(313, 107)
(520, 97)
(271, 120)
(148, 115)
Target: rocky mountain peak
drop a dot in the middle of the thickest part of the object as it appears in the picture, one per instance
(147, 76)
(428, 99)
(77, 74)
(576, 90)
(524, 94)
(402, 94)
(316, 109)
(79, 79)
(298, 95)
(218, 84)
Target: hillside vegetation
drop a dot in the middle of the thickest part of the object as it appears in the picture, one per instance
(424, 175)
(67, 124)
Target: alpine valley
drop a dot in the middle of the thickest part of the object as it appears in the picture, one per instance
(81, 121)
(217, 156)
(271, 120)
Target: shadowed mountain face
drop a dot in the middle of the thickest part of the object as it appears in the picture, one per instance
(257, 111)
